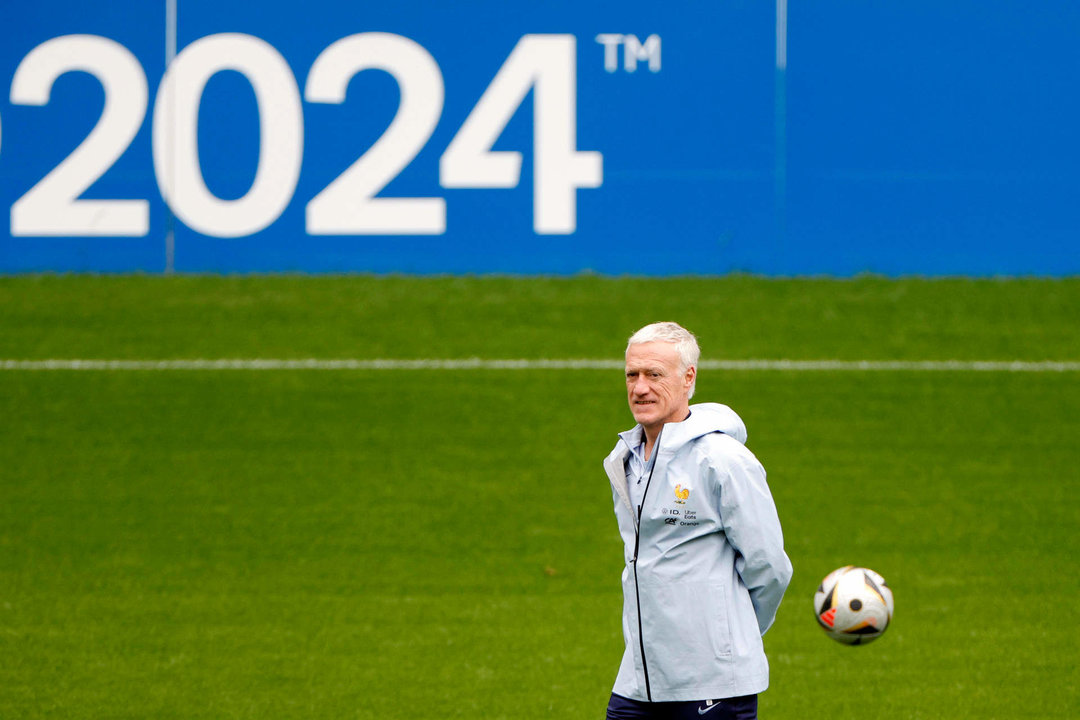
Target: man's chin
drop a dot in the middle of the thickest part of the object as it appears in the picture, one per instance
(645, 418)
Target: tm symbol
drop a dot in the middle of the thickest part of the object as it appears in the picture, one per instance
(634, 51)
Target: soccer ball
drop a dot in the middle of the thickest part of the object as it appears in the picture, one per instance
(853, 605)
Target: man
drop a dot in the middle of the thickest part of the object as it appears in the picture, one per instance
(705, 562)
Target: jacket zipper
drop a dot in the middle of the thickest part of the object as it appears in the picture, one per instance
(637, 590)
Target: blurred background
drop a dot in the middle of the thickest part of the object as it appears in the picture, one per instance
(825, 138)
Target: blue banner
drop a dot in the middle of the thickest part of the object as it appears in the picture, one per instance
(555, 137)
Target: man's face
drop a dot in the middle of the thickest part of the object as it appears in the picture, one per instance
(657, 392)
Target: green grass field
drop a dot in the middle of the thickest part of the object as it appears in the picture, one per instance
(440, 544)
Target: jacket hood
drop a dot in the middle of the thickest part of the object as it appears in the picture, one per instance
(704, 418)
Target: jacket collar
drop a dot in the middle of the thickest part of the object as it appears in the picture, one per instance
(632, 437)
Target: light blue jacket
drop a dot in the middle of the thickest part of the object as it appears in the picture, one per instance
(705, 574)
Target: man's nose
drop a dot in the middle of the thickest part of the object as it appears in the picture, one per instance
(641, 386)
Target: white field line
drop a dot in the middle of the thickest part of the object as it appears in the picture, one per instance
(539, 364)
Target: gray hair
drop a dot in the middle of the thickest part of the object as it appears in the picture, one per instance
(684, 341)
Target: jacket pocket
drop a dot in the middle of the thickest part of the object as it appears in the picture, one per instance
(687, 622)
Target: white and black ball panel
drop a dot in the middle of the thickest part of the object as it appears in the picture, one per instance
(853, 605)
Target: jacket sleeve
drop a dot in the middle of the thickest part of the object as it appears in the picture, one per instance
(749, 519)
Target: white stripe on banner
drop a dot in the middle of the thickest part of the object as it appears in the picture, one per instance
(541, 364)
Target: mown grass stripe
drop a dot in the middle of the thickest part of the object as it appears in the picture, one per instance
(535, 364)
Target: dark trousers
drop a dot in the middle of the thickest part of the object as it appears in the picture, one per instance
(737, 708)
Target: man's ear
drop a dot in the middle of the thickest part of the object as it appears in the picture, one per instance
(688, 378)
